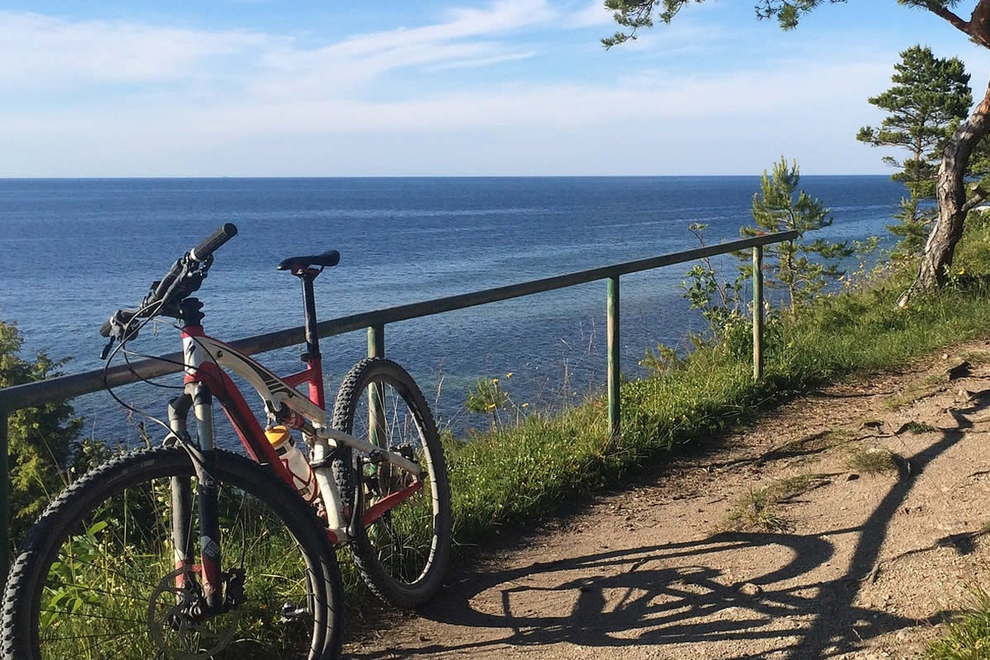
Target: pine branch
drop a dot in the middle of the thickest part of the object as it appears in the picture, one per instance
(945, 13)
(979, 23)
(979, 194)
(977, 27)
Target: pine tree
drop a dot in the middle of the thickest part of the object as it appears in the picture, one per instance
(929, 98)
(955, 192)
(800, 268)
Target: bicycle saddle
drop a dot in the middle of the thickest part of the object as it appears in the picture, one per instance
(328, 258)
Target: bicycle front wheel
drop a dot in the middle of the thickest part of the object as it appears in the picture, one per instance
(97, 577)
(403, 553)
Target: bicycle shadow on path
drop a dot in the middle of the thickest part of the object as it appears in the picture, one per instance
(729, 595)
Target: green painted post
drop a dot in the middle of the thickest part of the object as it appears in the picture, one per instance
(757, 312)
(612, 326)
(4, 498)
(376, 391)
(376, 340)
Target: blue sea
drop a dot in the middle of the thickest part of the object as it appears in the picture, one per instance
(74, 250)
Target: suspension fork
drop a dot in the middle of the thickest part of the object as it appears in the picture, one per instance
(181, 487)
(207, 491)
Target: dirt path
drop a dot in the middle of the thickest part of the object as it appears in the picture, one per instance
(773, 547)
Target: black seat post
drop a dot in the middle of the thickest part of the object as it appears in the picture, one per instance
(309, 311)
(305, 269)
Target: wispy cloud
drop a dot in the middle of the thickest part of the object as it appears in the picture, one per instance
(774, 94)
(487, 61)
(464, 39)
(136, 97)
(37, 50)
(594, 14)
(500, 17)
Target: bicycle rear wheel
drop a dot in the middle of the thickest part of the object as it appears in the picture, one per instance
(97, 576)
(403, 554)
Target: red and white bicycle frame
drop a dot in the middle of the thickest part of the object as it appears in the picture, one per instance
(205, 359)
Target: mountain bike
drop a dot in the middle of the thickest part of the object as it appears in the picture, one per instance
(188, 551)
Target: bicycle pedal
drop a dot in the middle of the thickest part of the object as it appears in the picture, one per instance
(290, 612)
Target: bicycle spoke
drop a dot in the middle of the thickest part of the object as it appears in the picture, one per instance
(404, 552)
(82, 587)
(129, 578)
(129, 632)
(93, 616)
(237, 517)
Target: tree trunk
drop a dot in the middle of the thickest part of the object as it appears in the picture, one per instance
(952, 202)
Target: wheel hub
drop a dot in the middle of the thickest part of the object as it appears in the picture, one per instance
(180, 621)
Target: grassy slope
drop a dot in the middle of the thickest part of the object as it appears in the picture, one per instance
(516, 475)
(513, 476)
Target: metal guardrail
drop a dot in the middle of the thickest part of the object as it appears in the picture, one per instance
(67, 387)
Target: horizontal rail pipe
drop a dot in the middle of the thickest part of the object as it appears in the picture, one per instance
(67, 387)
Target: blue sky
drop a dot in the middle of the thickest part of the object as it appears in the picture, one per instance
(503, 87)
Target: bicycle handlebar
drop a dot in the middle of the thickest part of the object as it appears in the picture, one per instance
(163, 290)
(209, 245)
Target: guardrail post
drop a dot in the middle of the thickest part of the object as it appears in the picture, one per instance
(376, 340)
(4, 497)
(376, 391)
(612, 325)
(757, 312)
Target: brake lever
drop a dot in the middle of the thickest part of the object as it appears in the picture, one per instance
(106, 349)
(117, 330)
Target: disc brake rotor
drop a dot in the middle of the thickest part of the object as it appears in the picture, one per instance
(178, 621)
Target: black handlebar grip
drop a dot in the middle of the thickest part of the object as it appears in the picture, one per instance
(203, 251)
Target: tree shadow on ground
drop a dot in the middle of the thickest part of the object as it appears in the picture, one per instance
(678, 593)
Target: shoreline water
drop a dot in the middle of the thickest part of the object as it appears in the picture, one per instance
(402, 240)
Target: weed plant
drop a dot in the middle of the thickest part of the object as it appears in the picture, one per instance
(967, 638)
(759, 509)
(872, 460)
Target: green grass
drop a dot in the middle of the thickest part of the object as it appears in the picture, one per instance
(837, 436)
(968, 637)
(917, 428)
(913, 392)
(510, 477)
(975, 357)
(756, 510)
(759, 508)
(872, 460)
